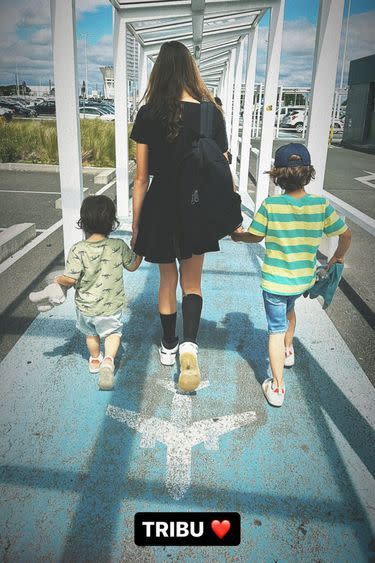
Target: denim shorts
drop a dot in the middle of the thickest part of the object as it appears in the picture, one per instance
(277, 307)
(98, 325)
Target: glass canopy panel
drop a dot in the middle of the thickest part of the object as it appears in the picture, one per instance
(229, 21)
(152, 25)
(167, 33)
(140, 3)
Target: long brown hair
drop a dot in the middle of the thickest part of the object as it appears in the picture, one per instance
(174, 71)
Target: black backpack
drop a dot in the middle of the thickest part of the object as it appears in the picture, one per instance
(211, 202)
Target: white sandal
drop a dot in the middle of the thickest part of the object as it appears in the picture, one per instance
(94, 363)
(106, 374)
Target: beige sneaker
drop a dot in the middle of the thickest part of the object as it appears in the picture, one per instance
(106, 374)
(190, 376)
(275, 397)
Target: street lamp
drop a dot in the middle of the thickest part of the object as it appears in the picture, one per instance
(84, 36)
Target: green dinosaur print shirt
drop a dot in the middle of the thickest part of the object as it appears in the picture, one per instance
(98, 269)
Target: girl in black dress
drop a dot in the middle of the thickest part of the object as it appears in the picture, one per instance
(164, 130)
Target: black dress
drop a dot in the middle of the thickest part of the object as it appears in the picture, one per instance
(163, 234)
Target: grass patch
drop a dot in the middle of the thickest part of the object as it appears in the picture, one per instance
(36, 142)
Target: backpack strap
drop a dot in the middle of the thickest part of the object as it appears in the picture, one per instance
(207, 119)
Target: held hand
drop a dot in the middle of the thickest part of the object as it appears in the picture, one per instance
(134, 237)
(334, 260)
(238, 231)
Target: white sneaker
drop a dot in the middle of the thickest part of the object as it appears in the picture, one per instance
(94, 363)
(167, 355)
(275, 397)
(190, 376)
(289, 357)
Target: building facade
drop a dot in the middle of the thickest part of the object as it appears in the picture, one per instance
(132, 57)
(359, 130)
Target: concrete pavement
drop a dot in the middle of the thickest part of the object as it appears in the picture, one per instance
(77, 466)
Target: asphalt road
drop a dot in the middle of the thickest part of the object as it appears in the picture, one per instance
(29, 197)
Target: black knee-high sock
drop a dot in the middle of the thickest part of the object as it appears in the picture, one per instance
(168, 323)
(191, 314)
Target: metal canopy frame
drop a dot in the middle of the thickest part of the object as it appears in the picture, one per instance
(216, 32)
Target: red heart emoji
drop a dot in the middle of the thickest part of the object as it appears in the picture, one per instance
(220, 528)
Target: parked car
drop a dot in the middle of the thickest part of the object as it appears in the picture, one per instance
(95, 112)
(6, 113)
(104, 106)
(286, 110)
(46, 108)
(107, 107)
(18, 109)
(296, 118)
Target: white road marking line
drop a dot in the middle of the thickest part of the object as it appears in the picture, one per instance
(366, 179)
(28, 192)
(36, 230)
(180, 434)
(106, 187)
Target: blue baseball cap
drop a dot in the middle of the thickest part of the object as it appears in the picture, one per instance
(284, 156)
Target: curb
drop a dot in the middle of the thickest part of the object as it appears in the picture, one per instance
(29, 167)
(14, 238)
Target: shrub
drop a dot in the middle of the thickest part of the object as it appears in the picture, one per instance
(36, 141)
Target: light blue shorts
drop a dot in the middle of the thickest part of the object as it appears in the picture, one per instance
(100, 326)
(277, 307)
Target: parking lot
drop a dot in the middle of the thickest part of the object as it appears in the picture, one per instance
(29, 196)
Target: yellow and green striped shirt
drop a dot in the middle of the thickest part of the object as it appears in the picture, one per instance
(293, 229)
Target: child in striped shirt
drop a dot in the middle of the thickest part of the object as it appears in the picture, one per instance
(293, 225)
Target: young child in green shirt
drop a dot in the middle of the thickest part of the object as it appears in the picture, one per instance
(293, 225)
(95, 267)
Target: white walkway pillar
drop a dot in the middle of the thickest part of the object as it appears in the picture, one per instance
(224, 89)
(248, 109)
(67, 117)
(237, 107)
(269, 104)
(323, 86)
(121, 115)
(142, 72)
(229, 94)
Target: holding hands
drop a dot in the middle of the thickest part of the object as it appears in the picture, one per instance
(240, 235)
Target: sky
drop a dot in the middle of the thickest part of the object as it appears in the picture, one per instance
(25, 40)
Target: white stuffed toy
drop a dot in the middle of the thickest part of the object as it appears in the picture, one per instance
(52, 295)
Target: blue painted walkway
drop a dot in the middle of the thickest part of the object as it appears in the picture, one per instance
(76, 467)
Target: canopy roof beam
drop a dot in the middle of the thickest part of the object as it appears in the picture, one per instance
(197, 8)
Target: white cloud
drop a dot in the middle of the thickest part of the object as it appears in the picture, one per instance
(298, 48)
(42, 36)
